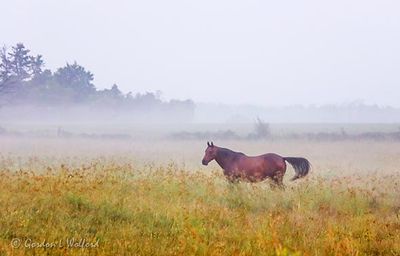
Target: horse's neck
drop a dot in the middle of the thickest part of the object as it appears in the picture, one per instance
(224, 159)
(222, 162)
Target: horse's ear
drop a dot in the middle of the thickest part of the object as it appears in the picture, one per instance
(212, 144)
(208, 143)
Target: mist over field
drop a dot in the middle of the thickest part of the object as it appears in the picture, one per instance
(67, 98)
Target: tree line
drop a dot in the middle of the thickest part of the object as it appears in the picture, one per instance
(24, 80)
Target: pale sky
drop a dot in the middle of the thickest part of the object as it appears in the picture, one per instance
(235, 52)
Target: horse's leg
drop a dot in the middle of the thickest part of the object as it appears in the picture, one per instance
(277, 182)
(232, 179)
(231, 176)
(277, 178)
(281, 173)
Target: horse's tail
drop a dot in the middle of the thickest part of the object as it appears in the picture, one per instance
(301, 166)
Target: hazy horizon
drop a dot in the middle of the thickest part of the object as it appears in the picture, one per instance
(230, 52)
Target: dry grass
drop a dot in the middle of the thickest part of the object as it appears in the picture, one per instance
(167, 208)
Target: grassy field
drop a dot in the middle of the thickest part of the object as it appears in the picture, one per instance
(116, 198)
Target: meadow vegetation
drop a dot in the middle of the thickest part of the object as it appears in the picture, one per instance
(169, 208)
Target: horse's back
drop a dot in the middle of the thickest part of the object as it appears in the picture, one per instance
(271, 157)
(266, 161)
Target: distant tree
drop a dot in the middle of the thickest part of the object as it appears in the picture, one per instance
(17, 65)
(10, 86)
(37, 65)
(115, 92)
(147, 99)
(75, 78)
(129, 96)
(20, 62)
(261, 130)
(5, 66)
(42, 79)
(43, 89)
(110, 97)
(24, 81)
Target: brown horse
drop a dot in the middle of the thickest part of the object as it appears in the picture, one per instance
(238, 166)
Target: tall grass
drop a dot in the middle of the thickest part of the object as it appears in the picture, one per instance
(168, 210)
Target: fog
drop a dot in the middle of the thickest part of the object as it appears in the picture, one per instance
(266, 53)
(209, 69)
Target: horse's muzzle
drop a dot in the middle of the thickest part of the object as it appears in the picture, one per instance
(204, 162)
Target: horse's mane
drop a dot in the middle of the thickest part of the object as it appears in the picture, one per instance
(226, 152)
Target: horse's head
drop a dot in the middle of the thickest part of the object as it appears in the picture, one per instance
(210, 154)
